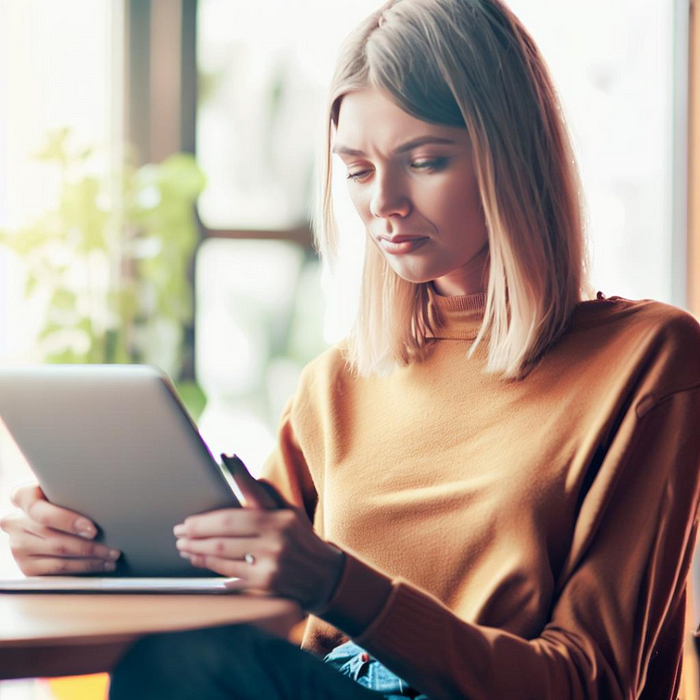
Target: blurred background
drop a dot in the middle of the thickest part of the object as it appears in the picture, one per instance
(156, 171)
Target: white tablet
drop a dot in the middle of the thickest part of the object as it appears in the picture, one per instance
(115, 443)
(119, 584)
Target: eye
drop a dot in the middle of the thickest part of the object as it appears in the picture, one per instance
(359, 175)
(429, 164)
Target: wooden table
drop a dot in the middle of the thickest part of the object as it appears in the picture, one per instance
(64, 634)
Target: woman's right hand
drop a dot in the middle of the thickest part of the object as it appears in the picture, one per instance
(46, 539)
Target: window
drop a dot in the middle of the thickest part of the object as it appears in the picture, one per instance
(694, 167)
(626, 110)
(48, 80)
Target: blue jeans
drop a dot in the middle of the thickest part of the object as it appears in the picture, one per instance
(239, 662)
(353, 661)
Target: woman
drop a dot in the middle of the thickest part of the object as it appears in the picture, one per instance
(491, 488)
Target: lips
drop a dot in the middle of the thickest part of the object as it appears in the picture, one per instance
(401, 239)
(400, 245)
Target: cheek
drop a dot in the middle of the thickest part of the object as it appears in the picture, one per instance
(442, 206)
(360, 202)
(462, 204)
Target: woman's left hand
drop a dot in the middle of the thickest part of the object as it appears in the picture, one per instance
(276, 551)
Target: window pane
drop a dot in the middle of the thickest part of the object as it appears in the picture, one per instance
(60, 67)
(613, 64)
(50, 80)
(263, 71)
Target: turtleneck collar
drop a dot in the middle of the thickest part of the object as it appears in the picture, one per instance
(457, 317)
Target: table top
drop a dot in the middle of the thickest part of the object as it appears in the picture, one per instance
(48, 634)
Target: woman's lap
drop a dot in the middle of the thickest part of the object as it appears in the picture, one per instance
(238, 662)
(353, 661)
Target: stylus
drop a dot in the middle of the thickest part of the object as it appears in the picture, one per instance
(264, 495)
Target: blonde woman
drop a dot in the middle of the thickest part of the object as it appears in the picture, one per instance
(490, 489)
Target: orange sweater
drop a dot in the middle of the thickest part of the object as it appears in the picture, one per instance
(528, 539)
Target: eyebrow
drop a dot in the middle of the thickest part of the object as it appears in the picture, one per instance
(408, 146)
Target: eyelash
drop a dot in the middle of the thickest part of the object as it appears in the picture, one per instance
(424, 165)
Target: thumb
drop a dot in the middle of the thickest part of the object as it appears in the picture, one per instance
(256, 494)
(279, 500)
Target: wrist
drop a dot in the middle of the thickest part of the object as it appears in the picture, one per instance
(358, 598)
(333, 566)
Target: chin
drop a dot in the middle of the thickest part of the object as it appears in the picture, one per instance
(414, 274)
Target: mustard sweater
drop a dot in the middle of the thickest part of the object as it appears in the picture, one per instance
(510, 540)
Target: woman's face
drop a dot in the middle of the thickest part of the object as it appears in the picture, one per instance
(414, 187)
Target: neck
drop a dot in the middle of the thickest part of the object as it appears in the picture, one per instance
(456, 317)
(465, 280)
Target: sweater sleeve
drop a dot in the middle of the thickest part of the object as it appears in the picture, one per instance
(621, 587)
(287, 469)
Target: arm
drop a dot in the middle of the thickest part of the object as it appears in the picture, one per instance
(620, 591)
(286, 467)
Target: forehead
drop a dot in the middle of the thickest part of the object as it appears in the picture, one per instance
(370, 115)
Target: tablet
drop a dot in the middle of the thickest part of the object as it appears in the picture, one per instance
(116, 444)
(120, 584)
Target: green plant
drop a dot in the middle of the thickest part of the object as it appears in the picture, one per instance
(110, 260)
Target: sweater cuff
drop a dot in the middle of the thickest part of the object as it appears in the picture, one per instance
(358, 599)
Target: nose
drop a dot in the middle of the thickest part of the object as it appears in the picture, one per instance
(389, 197)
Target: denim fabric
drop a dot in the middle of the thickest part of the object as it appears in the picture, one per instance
(239, 662)
(353, 661)
(231, 662)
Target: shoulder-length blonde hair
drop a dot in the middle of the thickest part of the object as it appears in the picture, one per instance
(471, 64)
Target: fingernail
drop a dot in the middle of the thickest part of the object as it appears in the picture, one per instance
(83, 527)
(185, 555)
(180, 529)
(113, 554)
(109, 566)
(181, 544)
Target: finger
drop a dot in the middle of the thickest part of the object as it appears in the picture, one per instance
(49, 566)
(23, 496)
(228, 522)
(61, 519)
(275, 495)
(19, 522)
(223, 547)
(14, 522)
(61, 546)
(255, 495)
(225, 567)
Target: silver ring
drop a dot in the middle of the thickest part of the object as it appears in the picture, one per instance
(249, 559)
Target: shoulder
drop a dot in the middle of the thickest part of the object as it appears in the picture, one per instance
(644, 317)
(324, 376)
(652, 336)
(330, 366)
(322, 404)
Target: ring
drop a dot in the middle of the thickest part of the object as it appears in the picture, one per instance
(249, 559)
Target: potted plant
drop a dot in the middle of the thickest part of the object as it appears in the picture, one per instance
(110, 261)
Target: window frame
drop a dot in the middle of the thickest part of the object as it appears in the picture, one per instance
(693, 252)
(162, 35)
(173, 67)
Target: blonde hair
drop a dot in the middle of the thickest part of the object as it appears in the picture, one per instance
(469, 63)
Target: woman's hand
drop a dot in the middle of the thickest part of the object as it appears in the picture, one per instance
(284, 554)
(46, 539)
